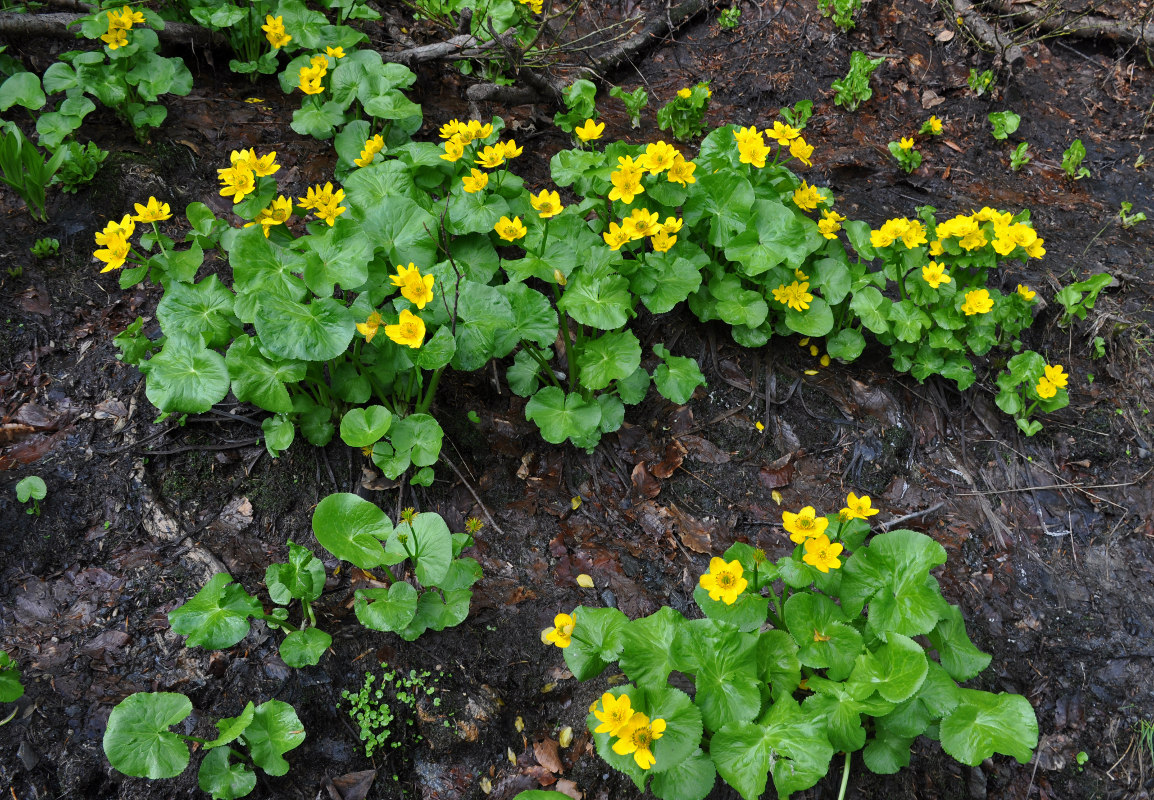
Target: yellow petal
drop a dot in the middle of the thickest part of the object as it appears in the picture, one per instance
(585, 581)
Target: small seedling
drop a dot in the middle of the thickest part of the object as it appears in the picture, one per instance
(1099, 345)
(797, 116)
(854, 89)
(1020, 157)
(684, 115)
(1127, 219)
(15, 272)
(474, 417)
(980, 82)
(840, 11)
(1081, 759)
(908, 158)
(634, 101)
(1004, 122)
(1072, 161)
(32, 488)
(45, 248)
(729, 18)
(10, 687)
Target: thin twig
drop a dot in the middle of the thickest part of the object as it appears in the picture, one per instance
(472, 491)
(925, 512)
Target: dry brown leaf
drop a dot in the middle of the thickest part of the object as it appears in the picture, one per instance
(569, 789)
(695, 533)
(644, 484)
(930, 98)
(944, 36)
(545, 751)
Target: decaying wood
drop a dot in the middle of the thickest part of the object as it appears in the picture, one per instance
(988, 35)
(1049, 19)
(21, 26)
(659, 25)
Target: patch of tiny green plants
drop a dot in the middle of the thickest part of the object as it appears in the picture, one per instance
(980, 82)
(1078, 298)
(11, 689)
(219, 615)
(794, 662)
(854, 89)
(372, 708)
(139, 742)
(1072, 161)
(128, 75)
(729, 18)
(840, 11)
(31, 488)
(1003, 123)
(45, 248)
(684, 115)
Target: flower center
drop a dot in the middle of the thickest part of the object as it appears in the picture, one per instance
(805, 522)
(725, 579)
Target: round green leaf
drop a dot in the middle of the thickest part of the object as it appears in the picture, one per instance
(846, 345)
(305, 648)
(217, 616)
(10, 687)
(185, 377)
(984, 723)
(275, 730)
(561, 416)
(31, 487)
(363, 427)
(23, 88)
(198, 309)
(690, 779)
(389, 609)
(895, 670)
(600, 299)
(352, 528)
(222, 779)
(428, 543)
(677, 377)
(817, 320)
(420, 436)
(609, 357)
(683, 726)
(137, 740)
(319, 331)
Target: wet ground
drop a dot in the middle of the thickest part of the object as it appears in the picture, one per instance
(1050, 539)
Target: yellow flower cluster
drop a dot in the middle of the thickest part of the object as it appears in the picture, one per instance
(635, 731)
(533, 5)
(796, 295)
(311, 76)
(830, 223)
(372, 146)
(808, 198)
(113, 240)
(324, 202)
(808, 529)
(752, 148)
(626, 180)
(119, 24)
(971, 233)
(409, 330)
(641, 223)
(278, 213)
(911, 232)
(1053, 380)
(977, 301)
(459, 135)
(274, 31)
(239, 180)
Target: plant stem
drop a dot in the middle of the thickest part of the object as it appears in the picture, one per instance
(844, 777)
(427, 400)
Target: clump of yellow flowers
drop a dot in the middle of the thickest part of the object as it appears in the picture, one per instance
(119, 24)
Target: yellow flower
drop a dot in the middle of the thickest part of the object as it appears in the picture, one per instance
(237, 182)
(154, 211)
(547, 204)
(658, 157)
(324, 202)
(801, 151)
(1056, 376)
(1035, 249)
(337, 52)
(1025, 293)
(511, 149)
(274, 31)
(637, 737)
(751, 147)
(115, 38)
(935, 125)
(125, 19)
(589, 130)
(806, 197)
(614, 715)
(115, 251)
(1045, 389)
(450, 129)
(123, 230)
(331, 210)
(724, 581)
(857, 507)
(662, 241)
(534, 5)
(821, 554)
(510, 229)
(616, 236)
(906, 143)
(684, 94)
(369, 327)
(914, 235)
(795, 295)
(973, 240)
(626, 181)
(454, 149)
(783, 134)
(372, 146)
(475, 181)
(277, 213)
(409, 330)
(474, 130)
(681, 171)
(309, 82)
(415, 287)
(641, 223)
(977, 302)
(803, 524)
(491, 157)
(830, 223)
(935, 275)
(562, 632)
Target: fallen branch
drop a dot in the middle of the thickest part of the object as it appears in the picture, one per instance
(659, 25)
(1056, 20)
(987, 34)
(23, 26)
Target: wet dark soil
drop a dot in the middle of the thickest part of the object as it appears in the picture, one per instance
(1050, 539)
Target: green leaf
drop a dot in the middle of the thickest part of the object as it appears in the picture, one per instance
(534, 319)
(886, 754)
(786, 742)
(339, 254)
(611, 356)
(401, 228)
(725, 199)
(937, 697)
(817, 320)
(724, 664)
(217, 616)
(317, 118)
(10, 687)
(960, 658)
(985, 723)
(677, 377)
(436, 614)
(59, 77)
(137, 740)
(31, 488)
(302, 578)
(646, 656)
(475, 212)
(420, 437)
(275, 730)
(223, 779)
(561, 416)
(260, 269)
(23, 88)
(230, 728)
(363, 427)
(389, 609)
(597, 641)
(438, 351)
(846, 345)
(872, 309)
(747, 613)
(484, 312)
(426, 542)
(907, 321)
(198, 309)
(185, 376)
(305, 648)
(319, 331)
(633, 389)
(667, 279)
(824, 638)
(463, 573)
(777, 662)
(895, 670)
(279, 433)
(600, 299)
(352, 529)
(689, 779)
(892, 574)
(257, 380)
